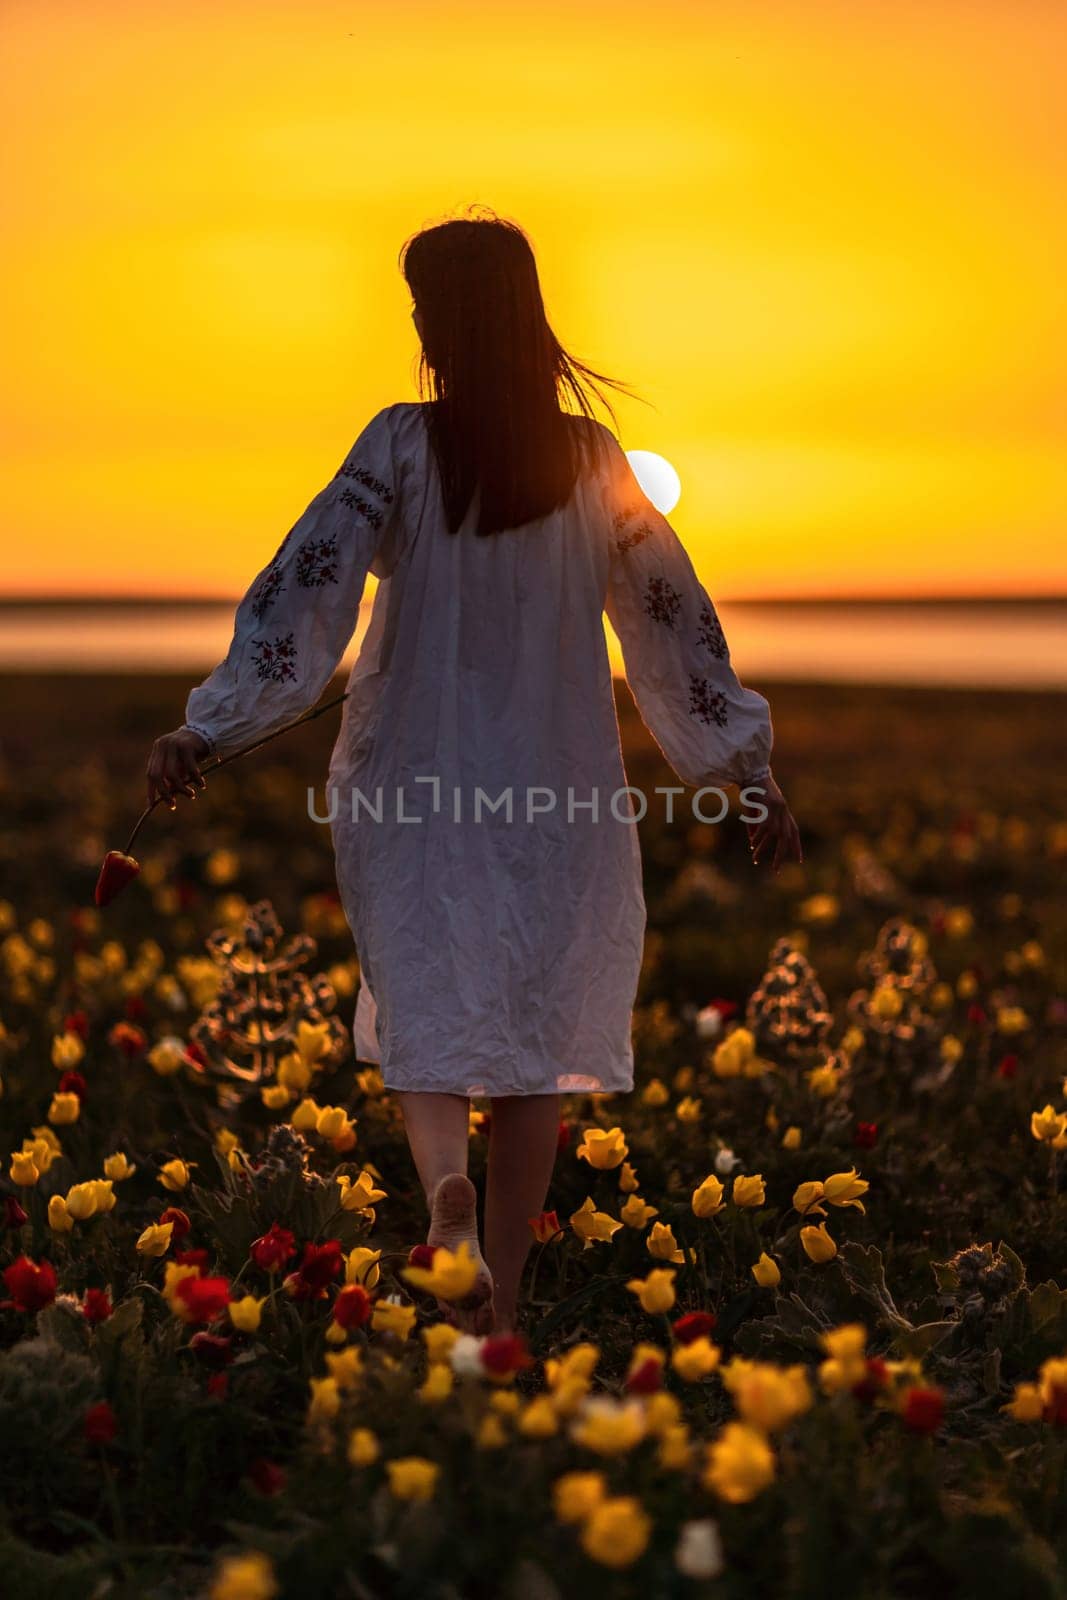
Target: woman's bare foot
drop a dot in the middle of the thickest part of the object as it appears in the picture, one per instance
(454, 1217)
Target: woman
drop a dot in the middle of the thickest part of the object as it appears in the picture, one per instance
(499, 939)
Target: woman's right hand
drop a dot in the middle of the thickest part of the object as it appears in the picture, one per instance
(778, 830)
(174, 766)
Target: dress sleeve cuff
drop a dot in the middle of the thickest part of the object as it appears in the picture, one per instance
(194, 727)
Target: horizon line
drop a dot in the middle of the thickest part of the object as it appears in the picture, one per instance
(42, 599)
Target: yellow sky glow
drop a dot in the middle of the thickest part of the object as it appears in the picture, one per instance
(825, 239)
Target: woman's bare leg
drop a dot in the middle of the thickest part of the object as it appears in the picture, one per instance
(523, 1136)
(437, 1127)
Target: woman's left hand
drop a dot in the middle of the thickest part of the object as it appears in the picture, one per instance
(174, 766)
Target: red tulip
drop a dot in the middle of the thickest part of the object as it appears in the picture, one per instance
(865, 1136)
(32, 1286)
(189, 1258)
(646, 1377)
(117, 871)
(273, 1249)
(131, 1040)
(1008, 1066)
(202, 1299)
(99, 1424)
(545, 1227)
(874, 1381)
(694, 1325)
(213, 1349)
(96, 1307)
(321, 1264)
(73, 1083)
(267, 1476)
(353, 1307)
(180, 1224)
(14, 1216)
(505, 1353)
(923, 1409)
(219, 1382)
(77, 1022)
(421, 1255)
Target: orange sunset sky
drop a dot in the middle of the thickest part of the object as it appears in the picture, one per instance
(825, 240)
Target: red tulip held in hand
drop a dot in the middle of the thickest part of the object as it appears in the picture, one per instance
(117, 871)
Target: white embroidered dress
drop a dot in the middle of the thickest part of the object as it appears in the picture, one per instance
(499, 945)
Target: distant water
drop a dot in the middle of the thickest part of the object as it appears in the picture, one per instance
(1008, 644)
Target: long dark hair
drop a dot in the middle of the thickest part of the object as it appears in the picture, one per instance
(497, 374)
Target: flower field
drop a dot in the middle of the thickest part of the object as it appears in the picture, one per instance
(795, 1319)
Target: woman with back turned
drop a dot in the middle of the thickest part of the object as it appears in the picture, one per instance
(488, 868)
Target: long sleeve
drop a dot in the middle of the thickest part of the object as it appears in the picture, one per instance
(295, 622)
(711, 728)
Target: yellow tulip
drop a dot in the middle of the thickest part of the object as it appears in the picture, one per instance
(708, 1200)
(167, 1057)
(740, 1464)
(452, 1275)
(332, 1122)
(294, 1073)
(81, 1201)
(274, 1096)
(749, 1192)
(357, 1195)
(325, 1400)
(306, 1116)
(592, 1225)
(767, 1397)
(538, 1420)
(245, 1577)
(345, 1366)
(662, 1244)
(616, 1532)
(655, 1093)
(59, 1218)
(439, 1338)
(1012, 1019)
(791, 1139)
(846, 1366)
(603, 1148)
(174, 1175)
(656, 1291)
(817, 1243)
(392, 1316)
(636, 1213)
(155, 1240)
(437, 1384)
(576, 1495)
(245, 1314)
(675, 1451)
(412, 1478)
(609, 1427)
(950, 1048)
(696, 1359)
(887, 1002)
(1048, 1124)
(766, 1272)
(363, 1448)
(225, 1141)
(24, 1170)
(67, 1050)
(734, 1054)
(845, 1188)
(627, 1178)
(118, 1168)
(361, 1266)
(312, 1040)
(807, 1198)
(491, 1434)
(1027, 1404)
(689, 1109)
(65, 1108)
(824, 1081)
